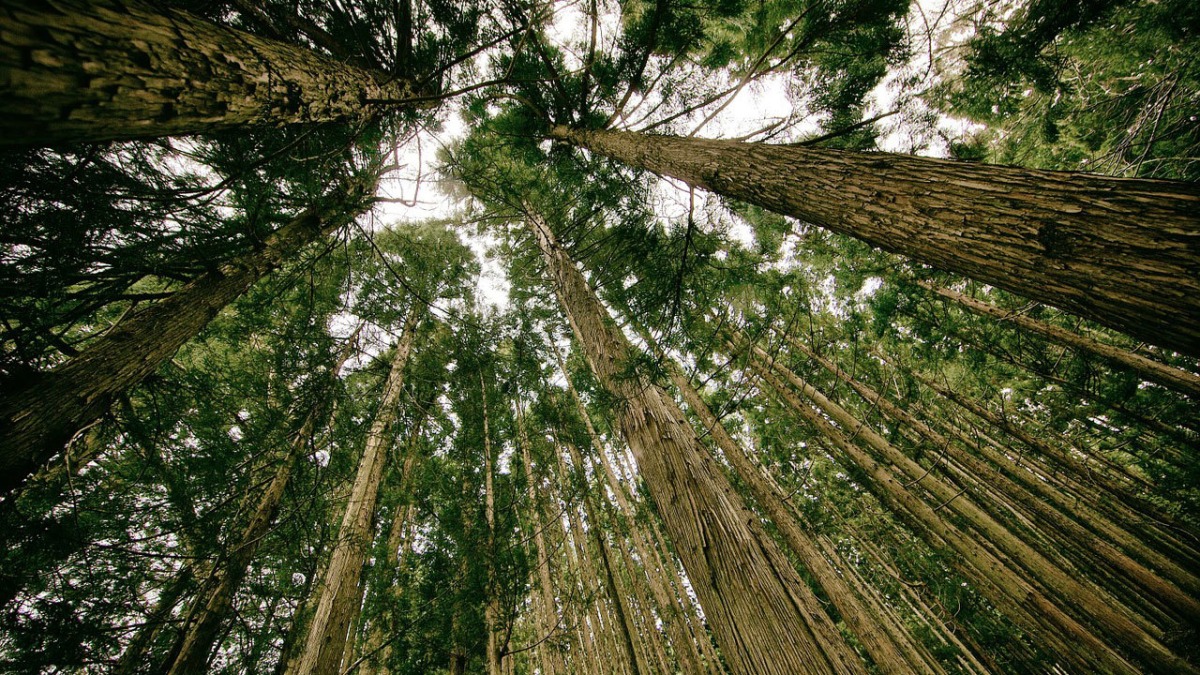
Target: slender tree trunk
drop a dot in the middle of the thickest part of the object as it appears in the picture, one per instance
(39, 419)
(337, 607)
(620, 602)
(552, 663)
(1035, 498)
(102, 70)
(379, 643)
(1122, 252)
(750, 593)
(1114, 624)
(491, 611)
(1149, 370)
(892, 651)
(216, 597)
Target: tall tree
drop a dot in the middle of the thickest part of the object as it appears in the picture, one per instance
(751, 595)
(1121, 252)
(40, 418)
(340, 597)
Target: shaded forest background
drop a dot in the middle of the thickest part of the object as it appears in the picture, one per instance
(827, 407)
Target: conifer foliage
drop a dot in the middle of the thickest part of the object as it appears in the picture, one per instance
(721, 352)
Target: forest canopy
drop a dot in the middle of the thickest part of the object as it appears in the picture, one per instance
(599, 336)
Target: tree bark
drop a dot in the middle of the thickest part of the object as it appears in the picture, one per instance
(1043, 575)
(1149, 370)
(102, 70)
(750, 593)
(37, 420)
(892, 651)
(1122, 252)
(338, 605)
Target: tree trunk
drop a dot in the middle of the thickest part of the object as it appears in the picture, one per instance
(337, 607)
(552, 663)
(491, 610)
(1149, 370)
(674, 613)
(1122, 252)
(379, 642)
(39, 419)
(102, 70)
(892, 651)
(750, 593)
(1035, 498)
(1064, 587)
(216, 597)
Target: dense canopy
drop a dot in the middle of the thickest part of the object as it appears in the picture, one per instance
(599, 336)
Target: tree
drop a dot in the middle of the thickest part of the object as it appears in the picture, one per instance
(1118, 251)
(715, 542)
(41, 417)
(100, 71)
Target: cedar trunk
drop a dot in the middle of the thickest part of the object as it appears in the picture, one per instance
(340, 600)
(37, 421)
(1122, 252)
(750, 593)
(101, 70)
(203, 627)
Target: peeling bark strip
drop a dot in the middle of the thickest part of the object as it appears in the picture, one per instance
(1122, 252)
(39, 419)
(100, 70)
(760, 611)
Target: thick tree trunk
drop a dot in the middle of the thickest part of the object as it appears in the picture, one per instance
(1147, 369)
(202, 628)
(750, 593)
(674, 613)
(36, 421)
(892, 651)
(338, 605)
(1122, 252)
(102, 70)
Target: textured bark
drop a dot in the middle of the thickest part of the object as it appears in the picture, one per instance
(203, 627)
(1036, 499)
(1122, 252)
(1088, 602)
(892, 651)
(37, 420)
(674, 613)
(101, 70)
(750, 593)
(1149, 370)
(338, 605)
